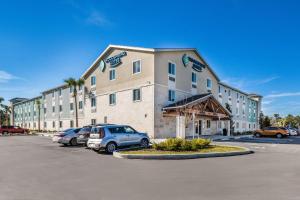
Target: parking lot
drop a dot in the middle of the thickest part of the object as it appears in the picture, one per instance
(32, 167)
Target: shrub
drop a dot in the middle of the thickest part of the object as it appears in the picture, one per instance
(176, 144)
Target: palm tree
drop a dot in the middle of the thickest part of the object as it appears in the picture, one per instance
(1, 106)
(7, 111)
(73, 83)
(38, 105)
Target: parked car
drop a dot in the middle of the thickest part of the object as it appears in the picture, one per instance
(84, 134)
(70, 138)
(57, 136)
(293, 132)
(111, 137)
(279, 132)
(8, 130)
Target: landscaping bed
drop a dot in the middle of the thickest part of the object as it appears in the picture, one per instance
(183, 149)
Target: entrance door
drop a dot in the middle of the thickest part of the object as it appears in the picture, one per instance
(200, 127)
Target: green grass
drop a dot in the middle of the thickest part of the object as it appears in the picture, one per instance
(210, 149)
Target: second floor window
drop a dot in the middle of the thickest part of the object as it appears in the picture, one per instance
(112, 74)
(208, 84)
(93, 102)
(112, 99)
(80, 105)
(136, 94)
(171, 96)
(172, 69)
(136, 67)
(60, 108)
(53, 109)
(71, 106)
(93, 80)
(194, 77)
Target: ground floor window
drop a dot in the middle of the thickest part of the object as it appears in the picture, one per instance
(80, 105)
(93, 102)
(208, 123)
(112, 99)
(45, 124)
(60, 124)
(254, 126)
(53, 124)
(105, 119)
(93, 121)
(71, 124)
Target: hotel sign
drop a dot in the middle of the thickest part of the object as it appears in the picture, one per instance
(116, 60)
(196, 65)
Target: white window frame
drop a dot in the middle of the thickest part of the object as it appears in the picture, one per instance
(209, 88)
(174, 99)
(133, 66)
(194, 82)
(137, 100)
(114, 74)
(115, 99)
(172, 75)
(81, 105)
(93, 106)
(93, 77)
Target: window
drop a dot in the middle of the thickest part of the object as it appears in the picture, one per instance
(52, 94)
(219, 89)
(172, 69)
(237, 125)
(229, 92)
(208, 84)
(93, 80)
(136, 94)
(45, 110)
(71, 106)
(60, 108)
(80, 87)
(53, 108)
(237, 110)
(237, 95)
(208, 124)
(59, 92)
(112, 74)
(80, 105)
(136, 67)
(105, 119)
(112, 99)
(53, 124)
(60, 124)
(194, 77)
(171, 95)
(93, 121)
(71, 89)
(71, 123)
(93, 102)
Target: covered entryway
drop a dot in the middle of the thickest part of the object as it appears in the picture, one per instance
(198, 115)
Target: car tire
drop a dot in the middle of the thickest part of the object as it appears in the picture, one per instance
(257, 135)
(73, 142)
(279, 135)
(144, 143)
(6, 133)
(111, 147)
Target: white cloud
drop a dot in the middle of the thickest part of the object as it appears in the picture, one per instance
(242, 83)
(5, 76)
(96, 18)
(285, 94)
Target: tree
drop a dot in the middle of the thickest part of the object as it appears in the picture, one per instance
(38, 106)
(73, 83)
(228, 107)
(261, 119)
(266, 122)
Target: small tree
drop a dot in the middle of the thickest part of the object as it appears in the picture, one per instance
(228, 107)
(1, 111)
(73, 83)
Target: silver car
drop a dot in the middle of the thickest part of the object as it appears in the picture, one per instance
(111, 137)
(70, 138)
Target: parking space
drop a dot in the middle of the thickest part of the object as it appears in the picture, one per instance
(32, 167)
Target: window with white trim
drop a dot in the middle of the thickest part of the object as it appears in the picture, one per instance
(208, 83)
(136, 94)
(93, 102)
(136, 67)
(93, 80)
(80, 105)
(172, 69)
(112, 99)
(112, 74)
(194, 77)
(208, 124)
(71, 106)
(171, 96)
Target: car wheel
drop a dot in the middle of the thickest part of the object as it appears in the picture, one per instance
(144, 143)
(111, 147)
(279, 135)
(73, 142)
(6, 133)
(257, 134)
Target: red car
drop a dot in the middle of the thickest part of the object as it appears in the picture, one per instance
(7, 130)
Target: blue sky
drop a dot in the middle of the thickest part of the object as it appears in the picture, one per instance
(252, 45)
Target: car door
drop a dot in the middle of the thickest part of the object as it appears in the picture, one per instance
(119, 135)
(134, 137)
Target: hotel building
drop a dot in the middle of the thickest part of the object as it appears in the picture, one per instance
(164, 92)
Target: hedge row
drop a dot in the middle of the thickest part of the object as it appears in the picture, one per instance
(176, 144)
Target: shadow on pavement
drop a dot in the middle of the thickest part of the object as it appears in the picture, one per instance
(288, 140)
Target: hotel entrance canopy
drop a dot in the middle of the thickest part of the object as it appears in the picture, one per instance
(200, 105)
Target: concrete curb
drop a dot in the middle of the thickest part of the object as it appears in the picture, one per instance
(182, 156)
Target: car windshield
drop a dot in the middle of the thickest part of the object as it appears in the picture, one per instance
(86, 129)
(67, 130)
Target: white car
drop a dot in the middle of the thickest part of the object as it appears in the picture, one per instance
(292, 132)
(58, 136)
